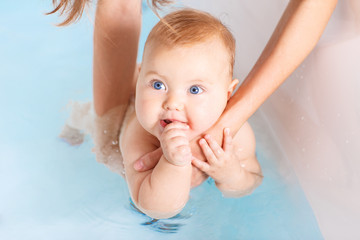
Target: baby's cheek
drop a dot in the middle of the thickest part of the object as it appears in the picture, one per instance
(142, 113)
(204, 120)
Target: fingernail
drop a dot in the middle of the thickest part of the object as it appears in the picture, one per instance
(227, 130)
(138, 165)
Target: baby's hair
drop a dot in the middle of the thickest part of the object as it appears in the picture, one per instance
(190, 26)
(73, 9)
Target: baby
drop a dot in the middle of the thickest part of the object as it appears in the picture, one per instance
(184, 84)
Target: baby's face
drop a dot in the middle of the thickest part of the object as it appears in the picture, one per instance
(189, 84)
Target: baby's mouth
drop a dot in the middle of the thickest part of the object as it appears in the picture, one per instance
(165, 122)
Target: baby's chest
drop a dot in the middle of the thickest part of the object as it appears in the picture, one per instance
(130, 136)
(134, 140)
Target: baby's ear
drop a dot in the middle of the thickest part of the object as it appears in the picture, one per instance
(232, 87)
(137, 72)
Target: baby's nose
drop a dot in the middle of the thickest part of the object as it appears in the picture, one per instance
(174, 103)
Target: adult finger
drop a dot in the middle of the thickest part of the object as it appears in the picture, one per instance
(148, 161)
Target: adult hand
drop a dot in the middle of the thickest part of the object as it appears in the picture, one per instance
(148, 161)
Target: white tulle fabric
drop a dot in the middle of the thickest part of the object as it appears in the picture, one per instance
(315, 114)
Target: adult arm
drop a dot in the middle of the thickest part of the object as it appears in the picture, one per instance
(116, 37)
(296, 34)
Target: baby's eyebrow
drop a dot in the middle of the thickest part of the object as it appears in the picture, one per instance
(190, 81)
(152, 72)
(197, 80)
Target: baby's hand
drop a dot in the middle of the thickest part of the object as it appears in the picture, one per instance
(175, 144)
(222, 164)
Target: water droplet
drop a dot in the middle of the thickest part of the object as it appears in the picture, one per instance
(302, 118)
(243, 165)
(114, 142)
(105, 131)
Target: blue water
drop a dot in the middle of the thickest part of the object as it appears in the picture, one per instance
(50, 190)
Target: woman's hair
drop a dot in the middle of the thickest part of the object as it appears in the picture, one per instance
(73, 9)
(157, 4)
(190, 26)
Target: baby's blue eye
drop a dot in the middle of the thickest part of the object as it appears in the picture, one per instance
(158, 85)
(195, 90)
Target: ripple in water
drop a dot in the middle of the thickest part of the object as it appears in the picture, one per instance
(170, 225)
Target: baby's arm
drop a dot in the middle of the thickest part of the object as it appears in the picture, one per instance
(161, 192)
(233, 166)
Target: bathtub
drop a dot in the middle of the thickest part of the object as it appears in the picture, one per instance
(51, 190)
